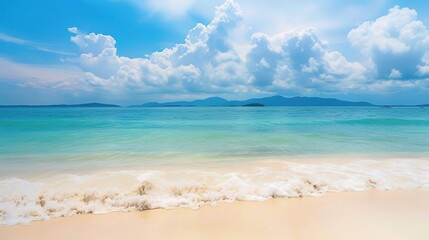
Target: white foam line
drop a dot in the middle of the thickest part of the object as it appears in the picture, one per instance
(23, 201)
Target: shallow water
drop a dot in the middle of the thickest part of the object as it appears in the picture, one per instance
(82, 138)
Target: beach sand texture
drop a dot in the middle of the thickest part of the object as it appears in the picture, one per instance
(390, 215)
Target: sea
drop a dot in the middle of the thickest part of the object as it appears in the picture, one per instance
(64, 161)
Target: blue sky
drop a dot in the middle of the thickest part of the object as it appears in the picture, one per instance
(133, 51)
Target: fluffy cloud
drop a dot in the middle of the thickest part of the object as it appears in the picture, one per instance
(209, 50)
(299, 60)
(105, 69)
(395, 44)
(209, 61)
(206, 62)
(423, 69)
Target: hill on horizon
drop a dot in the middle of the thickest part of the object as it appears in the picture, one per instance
(265, 101)
(221, 102)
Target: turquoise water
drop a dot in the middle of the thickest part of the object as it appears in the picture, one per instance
(66, 161)
(68, 138)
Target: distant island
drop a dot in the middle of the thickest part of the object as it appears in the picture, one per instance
(221, 102)
(86, 105)
(253, 105)
(258, 102)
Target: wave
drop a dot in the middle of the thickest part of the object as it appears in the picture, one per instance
(24, 200)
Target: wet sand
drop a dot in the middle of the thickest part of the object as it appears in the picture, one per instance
(397, 214)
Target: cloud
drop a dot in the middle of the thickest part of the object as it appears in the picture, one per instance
(33, 45)
(423, 69)
(42, 76)
(206, 62)
(395, 74)
(211, 61)
(300, 60)
(73, 30)
(7, 38)
(92, 43)
(395, 44)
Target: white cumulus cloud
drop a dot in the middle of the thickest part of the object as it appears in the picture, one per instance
(395, 43)
(210, 61)
(206, 62)
(299, 59)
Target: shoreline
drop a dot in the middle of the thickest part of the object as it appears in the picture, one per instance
(227, 164)
(23, 201)
(374, 214)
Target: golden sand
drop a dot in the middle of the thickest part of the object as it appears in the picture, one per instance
(378, 215)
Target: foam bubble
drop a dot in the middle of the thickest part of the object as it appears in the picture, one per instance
(23, 201)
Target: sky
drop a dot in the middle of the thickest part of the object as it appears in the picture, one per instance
(135, 51)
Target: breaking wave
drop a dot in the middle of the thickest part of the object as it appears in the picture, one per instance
(24, 200)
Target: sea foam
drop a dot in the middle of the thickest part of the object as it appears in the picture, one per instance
(24, 200)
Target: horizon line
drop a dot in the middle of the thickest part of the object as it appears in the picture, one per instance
(172, 101)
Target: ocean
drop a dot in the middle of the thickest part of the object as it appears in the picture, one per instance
(66, 161)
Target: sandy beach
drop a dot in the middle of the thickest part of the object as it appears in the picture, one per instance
(214, 120)
(395, 214)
